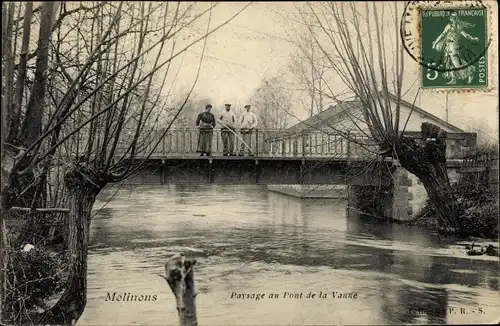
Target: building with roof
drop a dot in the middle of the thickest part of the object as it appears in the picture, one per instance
(318, 133)
(343, 113)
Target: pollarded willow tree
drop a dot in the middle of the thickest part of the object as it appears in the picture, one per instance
(363, 49)
(84, 100)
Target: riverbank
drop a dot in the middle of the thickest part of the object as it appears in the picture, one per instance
(479, 220)
(311, 191)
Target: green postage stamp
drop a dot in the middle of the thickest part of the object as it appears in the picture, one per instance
(453, 46)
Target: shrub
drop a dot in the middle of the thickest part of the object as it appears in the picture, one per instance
(480, 218)
(33, 277)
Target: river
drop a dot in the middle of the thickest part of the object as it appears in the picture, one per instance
(250, 241)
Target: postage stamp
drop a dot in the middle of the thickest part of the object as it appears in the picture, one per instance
(255, 163)
(450, 41)
(457, 38)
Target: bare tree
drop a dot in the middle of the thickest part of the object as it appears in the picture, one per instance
(353, 38)
(272, 102)
(485, 135)
(87, 107)
(309, 67)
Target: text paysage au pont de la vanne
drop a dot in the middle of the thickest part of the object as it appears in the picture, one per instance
(294, 295)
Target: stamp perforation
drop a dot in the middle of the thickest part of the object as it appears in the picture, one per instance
(492, 57)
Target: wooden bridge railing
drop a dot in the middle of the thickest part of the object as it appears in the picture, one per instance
(279, 143)
(269, 143)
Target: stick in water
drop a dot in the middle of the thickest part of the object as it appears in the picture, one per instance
(179, 272)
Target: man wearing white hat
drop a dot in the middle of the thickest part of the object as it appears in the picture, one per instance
(248, 122)
(228, 121)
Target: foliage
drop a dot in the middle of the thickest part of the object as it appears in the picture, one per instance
(480, 206)
(480, 218)
(35, 276)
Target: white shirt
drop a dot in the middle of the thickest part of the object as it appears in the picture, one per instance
(227, 118)
(248, 120)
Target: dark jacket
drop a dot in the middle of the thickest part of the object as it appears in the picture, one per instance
(205, 120)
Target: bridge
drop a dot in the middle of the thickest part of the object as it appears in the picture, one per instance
(280, 157)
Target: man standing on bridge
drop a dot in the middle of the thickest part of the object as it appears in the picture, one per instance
(248, 122)
(227, 121)
(206, 123)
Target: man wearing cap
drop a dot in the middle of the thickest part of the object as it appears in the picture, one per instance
(248, 122)
(206, 123)
(227, 121)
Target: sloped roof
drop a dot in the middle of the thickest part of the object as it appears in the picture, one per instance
(426, 114)
(325, 115)
(336, 111)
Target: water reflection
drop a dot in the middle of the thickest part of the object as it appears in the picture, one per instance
(409, 304)
(259, 242)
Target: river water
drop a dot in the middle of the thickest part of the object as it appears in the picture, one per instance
(250, 241)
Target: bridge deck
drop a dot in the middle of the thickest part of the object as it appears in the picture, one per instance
(156, 156)
(451, 163)
(267, 170)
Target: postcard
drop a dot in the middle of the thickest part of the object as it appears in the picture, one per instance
(249, 163)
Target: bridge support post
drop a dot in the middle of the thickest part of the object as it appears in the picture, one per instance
(302, 172)
(389, 202)
(210, 171)
(401, 206)
(257, 171)
(162, 171)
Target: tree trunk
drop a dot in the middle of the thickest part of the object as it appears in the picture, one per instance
(32, 123)
(15, 112)
(428, 163)
(7, 61)
(83, 187)
(180, 278)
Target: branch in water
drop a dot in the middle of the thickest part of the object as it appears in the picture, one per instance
(179, 276)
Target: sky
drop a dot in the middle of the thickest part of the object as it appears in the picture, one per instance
(238, 56)
(258, 44)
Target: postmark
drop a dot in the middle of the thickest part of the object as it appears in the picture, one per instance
(450, 41)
